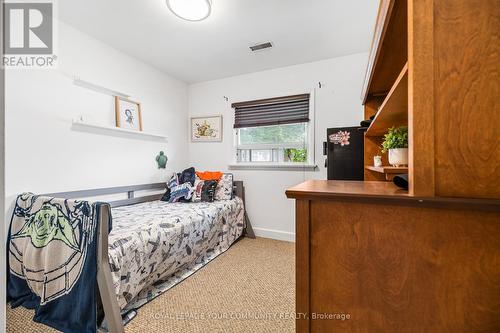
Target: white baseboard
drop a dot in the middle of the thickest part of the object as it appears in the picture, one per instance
(275, 234)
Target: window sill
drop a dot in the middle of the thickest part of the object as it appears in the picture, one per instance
(272, 166)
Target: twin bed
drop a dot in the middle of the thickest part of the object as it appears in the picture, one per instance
(153, 245)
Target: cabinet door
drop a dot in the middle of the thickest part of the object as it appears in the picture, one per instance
(395, 268)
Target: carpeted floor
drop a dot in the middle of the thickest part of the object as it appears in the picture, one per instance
(250, 288)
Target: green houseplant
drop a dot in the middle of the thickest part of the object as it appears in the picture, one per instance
(296, 155)
(396, 143)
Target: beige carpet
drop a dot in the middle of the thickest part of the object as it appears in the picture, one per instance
(250, 288)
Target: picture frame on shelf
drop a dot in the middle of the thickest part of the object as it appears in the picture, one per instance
(206, 129)
(128, 114)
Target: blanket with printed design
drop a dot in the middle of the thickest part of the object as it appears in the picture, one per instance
(52, 261)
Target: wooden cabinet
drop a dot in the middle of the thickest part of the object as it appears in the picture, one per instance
(433, 66)
(426, 259)
(392, 262)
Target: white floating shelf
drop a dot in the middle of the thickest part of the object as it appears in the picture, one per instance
(89, 125)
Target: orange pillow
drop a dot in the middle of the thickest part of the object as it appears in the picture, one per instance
(209, 175)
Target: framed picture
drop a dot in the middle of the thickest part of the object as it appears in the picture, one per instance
(128, 114)
(206, 129)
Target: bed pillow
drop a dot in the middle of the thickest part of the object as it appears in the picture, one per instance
(208, 190)
(224, 189)
(182, 191)
(187, 175)
(198, 188)
(166, 195)
(173, 181)
(209, 175)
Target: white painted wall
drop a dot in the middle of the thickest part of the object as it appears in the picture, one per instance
(2, 188)
(43, 152)
(337, 104)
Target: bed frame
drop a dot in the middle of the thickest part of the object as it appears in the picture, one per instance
(104, 279)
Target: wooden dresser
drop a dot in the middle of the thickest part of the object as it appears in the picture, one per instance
(373, 258)
(395, 262)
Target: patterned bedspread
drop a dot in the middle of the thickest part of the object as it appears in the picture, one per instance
(155, 245)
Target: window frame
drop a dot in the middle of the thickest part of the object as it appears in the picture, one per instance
(310, 145)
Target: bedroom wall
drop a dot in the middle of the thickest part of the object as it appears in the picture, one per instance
(45, 154)
(337, 103)
(2, 183)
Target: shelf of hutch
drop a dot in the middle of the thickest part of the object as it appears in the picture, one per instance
(394, 108)
(389, 50)
(445, 95)
(388, 171)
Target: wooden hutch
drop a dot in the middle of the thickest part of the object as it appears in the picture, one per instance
(426, 259)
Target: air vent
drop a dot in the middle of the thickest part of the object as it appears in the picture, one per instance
(261, 47)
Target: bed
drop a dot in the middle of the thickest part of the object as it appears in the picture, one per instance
(153, 245)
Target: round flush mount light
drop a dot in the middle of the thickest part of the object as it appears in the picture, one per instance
(190, 10)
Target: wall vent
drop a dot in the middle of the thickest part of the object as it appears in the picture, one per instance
(260, 47)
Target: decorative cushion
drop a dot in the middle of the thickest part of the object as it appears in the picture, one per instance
(173, 181)
(187, 175)
(198, 187)
(208, 190)
(166, 195)
(224, 190)
(209, 175)
(178, 192)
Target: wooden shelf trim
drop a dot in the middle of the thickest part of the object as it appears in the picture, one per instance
(384, 193)
(389, 49)
(384, 13)
(388, 171)
(394, 109)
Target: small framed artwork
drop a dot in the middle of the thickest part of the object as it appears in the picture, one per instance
(128, 114)
(206, 129)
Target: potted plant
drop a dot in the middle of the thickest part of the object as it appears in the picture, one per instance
(396, 143)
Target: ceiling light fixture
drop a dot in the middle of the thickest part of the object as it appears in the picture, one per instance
(190, 10)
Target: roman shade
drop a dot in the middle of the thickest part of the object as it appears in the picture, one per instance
(272, 111)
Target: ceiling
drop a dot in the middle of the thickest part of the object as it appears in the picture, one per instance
(302, 31)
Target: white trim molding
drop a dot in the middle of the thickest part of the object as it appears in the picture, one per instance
(273, 166)
(275, 234)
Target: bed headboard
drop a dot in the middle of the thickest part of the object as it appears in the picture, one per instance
(238, 190)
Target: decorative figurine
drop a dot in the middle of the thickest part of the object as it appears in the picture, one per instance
(161, 160)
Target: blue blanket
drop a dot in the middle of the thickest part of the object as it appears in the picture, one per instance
(52, 261)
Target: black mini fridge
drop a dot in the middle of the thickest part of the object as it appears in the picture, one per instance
(344, 151)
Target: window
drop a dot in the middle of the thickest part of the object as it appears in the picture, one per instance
(274, 131)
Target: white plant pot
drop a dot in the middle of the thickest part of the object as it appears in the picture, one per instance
(398, 157)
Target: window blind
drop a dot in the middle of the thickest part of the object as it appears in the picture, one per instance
(272, 111)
